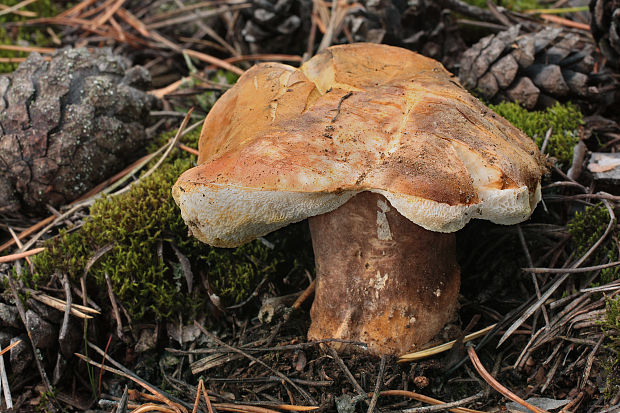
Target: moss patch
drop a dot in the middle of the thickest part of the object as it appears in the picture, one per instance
(586, 228)
(142, 228)
(564, 119)
(611, 328)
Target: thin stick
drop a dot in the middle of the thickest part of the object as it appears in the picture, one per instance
(528, 257)
(108, 13)
(496, 385)
(16, 7)
(152, 407)
(188, 149)
(309, 398)
(445, 406)
(117, 314)
(425, 399)
(560, 280)
(571, 270)
(6, 349)
(20, 255)
(172, 145)
(53, 406)
(565, 22)
(347, 372)
(105, 353)
(378, 384)
(243, 408)
(4, 381)
(267, 57)
(340, 104)
(128, 373)
(64, 329)
(304, 296)
(27, 49)
(327, 39)
(197, 399)
(214, 61)
(75, 309)
(20, 245)
(176, 407)
(23, 13)
(207, 399)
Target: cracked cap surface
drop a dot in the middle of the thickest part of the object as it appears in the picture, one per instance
(284, 144)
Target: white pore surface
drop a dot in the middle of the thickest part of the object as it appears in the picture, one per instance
(230, 216)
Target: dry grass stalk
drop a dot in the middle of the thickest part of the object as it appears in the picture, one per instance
(418, 355)
(60, 305)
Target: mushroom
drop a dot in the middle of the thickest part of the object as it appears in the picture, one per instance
(387, 156)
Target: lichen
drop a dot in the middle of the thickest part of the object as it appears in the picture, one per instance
(563, 119)
(585, 228)
(143, 226)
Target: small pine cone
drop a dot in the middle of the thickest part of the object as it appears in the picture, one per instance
(68, 124)
(276, 26)
(605, 27)
(536, 69)
(419, 25)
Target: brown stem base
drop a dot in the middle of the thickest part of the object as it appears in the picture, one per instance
(381, 279)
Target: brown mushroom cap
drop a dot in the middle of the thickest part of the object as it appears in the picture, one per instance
(285, 144)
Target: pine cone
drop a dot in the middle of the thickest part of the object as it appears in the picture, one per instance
(418, 25)
(276, 26)
(605, 27)
(536, 69)
(66, 125)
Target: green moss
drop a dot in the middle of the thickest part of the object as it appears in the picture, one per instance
(585, 229)
(141, 226)
(611, 329)
(32, 35)
(564, 119)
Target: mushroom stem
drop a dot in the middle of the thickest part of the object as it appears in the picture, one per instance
(381, 279)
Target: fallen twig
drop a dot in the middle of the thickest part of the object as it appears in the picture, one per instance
(565, 22)
(560, 280)
(496, 385)
(20, 255)
(4, 381)
(445, 406)
(53, 405)
(174, 406)
(571, 270)
(378, 384)
(426, 399)
(243, 353)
